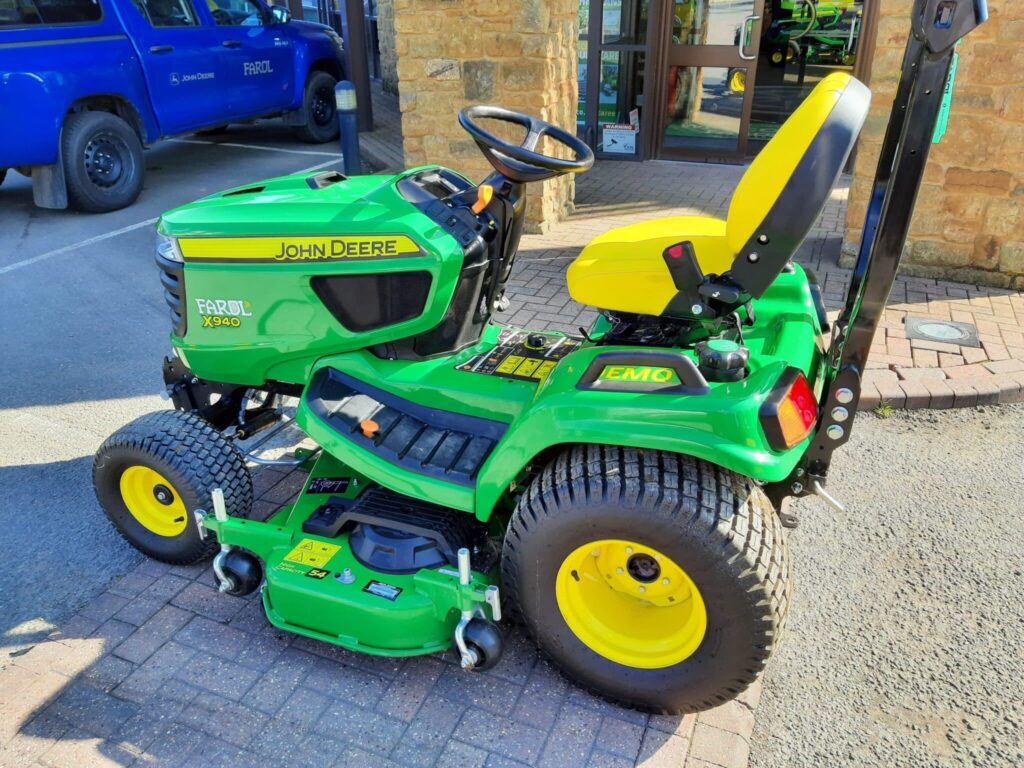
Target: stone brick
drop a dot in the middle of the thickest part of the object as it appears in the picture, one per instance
(571, 738)
(153, 634)
(209, 602)
(504, 737)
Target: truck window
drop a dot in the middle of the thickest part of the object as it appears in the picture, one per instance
(236, 13)
(22, 13)
(167, 13)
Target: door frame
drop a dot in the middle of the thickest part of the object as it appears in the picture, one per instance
(670, 54)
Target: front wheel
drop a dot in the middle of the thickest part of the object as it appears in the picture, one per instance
(103, 161)
(654, 579)
(318, 109)
(153, 474)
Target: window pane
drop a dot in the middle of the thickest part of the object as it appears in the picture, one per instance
(235, 13)
(19, 13)
(620, 100)
(624, 22)
(167, 13)
(711, 22)
(703, 112)
(800, 44)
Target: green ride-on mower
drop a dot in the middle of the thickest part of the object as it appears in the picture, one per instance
(619, 491)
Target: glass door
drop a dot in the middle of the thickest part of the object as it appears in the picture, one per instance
(711, 52)
(613, 55)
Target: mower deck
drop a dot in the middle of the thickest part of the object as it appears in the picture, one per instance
(318, 586)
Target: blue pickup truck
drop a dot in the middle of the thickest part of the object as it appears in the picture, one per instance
(86, 84)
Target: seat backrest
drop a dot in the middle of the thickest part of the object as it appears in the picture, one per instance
(787, 185)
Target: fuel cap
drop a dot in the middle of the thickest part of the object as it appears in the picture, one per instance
(722, 360)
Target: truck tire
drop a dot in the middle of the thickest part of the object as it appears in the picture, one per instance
(318, 109)
(103, 162)
(653, 579)
(152, 475)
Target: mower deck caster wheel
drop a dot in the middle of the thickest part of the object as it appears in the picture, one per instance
(239, 572)
(483, 640)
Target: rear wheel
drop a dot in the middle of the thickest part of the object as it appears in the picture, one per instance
(103, 162)
(154, 473)
(318, 109)
(654, 579)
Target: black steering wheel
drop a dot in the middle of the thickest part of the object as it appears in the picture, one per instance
(523, 163)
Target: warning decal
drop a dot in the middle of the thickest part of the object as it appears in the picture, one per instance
(312, 552)
(512, 358)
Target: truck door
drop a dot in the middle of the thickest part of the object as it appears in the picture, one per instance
(174, 46)
(259, 68)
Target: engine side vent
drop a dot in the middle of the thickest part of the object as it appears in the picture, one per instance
(325, 179)
(246, 191)
(365, 302)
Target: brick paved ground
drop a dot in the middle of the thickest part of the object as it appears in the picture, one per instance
(163, 670)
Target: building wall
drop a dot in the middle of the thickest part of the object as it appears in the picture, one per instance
(519, 54)
(969, 220)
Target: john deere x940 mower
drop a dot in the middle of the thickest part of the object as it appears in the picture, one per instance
(619, 491)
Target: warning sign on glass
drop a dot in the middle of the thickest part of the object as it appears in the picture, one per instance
(619, 138)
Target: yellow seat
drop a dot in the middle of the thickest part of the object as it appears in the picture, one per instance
(773, 208)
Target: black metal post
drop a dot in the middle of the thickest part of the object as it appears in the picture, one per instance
(936, 26)
(353, 31)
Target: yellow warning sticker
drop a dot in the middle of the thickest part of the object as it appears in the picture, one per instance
(527, 368)
(510, 363)
(312, 552)
(545, 368)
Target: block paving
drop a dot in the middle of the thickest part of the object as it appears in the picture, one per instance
(164, 670)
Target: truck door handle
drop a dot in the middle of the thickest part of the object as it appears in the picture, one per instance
(232, 44)
(161, 48)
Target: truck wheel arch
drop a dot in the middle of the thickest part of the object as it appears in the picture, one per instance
(330, 66)
(115, 104)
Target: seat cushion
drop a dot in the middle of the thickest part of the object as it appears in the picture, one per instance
(624, 268)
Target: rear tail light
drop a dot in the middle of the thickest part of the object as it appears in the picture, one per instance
(790, 412)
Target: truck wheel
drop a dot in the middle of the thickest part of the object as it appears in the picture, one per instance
(154, 473)
(321, 117)
(656, 580)
(103, 163)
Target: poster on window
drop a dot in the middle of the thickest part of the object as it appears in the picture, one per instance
(619, 138)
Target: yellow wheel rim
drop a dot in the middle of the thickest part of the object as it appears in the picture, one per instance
(738, 81)
(777, 57)
(631, 604)
(153, 501)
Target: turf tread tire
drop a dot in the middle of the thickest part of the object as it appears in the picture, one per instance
(729, 512)
(194, 456)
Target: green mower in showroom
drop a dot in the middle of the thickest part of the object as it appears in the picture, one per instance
(619, 491)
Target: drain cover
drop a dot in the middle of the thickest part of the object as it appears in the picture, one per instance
(947, 331)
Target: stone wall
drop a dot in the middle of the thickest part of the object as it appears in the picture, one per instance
(386, 41)
(519, 54)
(969, 222)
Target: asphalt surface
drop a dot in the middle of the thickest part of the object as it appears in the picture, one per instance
(83, 326)
(905, 643)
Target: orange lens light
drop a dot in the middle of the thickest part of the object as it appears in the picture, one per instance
(790, 412)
